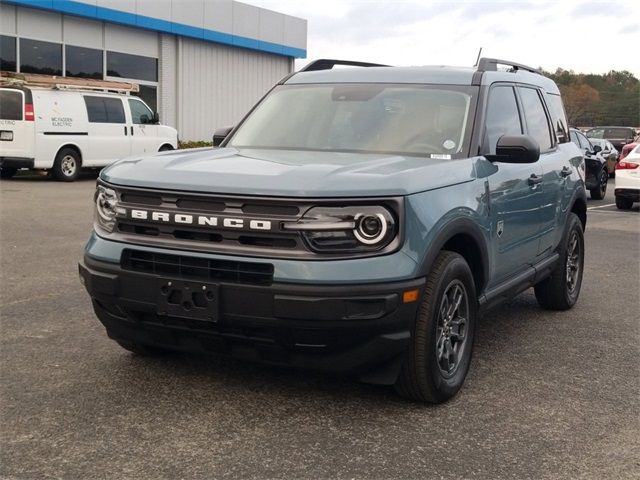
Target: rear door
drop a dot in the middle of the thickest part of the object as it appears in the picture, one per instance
(109, 138)
(144, 134)
(17, 133)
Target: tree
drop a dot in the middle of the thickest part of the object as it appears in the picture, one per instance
(579, 100)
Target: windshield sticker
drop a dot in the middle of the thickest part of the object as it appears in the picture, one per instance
(449, 144)
(441, 156)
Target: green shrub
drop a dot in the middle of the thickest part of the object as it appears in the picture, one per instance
(194, 144)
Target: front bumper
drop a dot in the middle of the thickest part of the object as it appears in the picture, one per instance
(355, 329)
(16, 162)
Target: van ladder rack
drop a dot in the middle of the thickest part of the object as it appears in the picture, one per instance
(328, 64)
(66, 83)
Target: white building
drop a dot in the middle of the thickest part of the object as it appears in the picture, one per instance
(201, 63)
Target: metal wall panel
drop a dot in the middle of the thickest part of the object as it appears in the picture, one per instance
(130, 40)
(7, 19)
(168, 88)
(217, 85)
(83, 32)
(39, 25)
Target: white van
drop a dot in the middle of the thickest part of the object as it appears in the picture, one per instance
(63, 130)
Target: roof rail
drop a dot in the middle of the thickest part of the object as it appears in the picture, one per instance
(328, 64)
(66, 83)
(491, 65)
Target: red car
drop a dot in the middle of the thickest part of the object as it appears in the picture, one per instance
(628, 147)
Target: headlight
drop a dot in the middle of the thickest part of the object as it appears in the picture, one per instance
(106, 207)
(345, 229)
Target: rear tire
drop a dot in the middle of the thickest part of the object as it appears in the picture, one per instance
(141, 349)
(66, 166)
(560, 290)
(600, 191)
(624, 203)
(439, 355)
(7, 172)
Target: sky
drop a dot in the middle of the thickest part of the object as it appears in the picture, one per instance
(585, 36)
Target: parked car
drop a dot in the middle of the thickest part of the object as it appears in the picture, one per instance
(62, 128)
(356, 220)
(609, 153)
(626, 149)
(618, 136)
(597, 175)
(627, 189)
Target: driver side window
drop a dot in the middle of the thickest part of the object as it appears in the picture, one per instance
(502, 118)
(140, 114)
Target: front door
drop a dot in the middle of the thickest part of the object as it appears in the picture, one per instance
(144, 133)
(515, 193)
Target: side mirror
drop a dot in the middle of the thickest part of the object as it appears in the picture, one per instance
(220, 134)
(516, 149)
(597, 148)
(156, 118)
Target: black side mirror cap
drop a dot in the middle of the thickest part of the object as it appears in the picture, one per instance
(516, 149)
(156, 118)
(220, 134)
(597, 148)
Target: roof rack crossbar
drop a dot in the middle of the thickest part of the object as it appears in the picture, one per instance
(491, 65)
(328, 64)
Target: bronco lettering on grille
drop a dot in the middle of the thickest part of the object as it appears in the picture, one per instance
(199, 220)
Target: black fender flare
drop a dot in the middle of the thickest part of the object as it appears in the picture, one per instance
(464, 226)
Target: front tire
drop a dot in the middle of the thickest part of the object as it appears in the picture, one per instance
(66, 166)
(624, 203)
(600, 191)
(7, 172)
(560, 290)
(439, 355)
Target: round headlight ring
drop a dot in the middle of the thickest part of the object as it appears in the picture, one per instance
(365, 237)
(106, 202)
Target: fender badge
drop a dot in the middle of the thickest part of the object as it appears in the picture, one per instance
(500, 228)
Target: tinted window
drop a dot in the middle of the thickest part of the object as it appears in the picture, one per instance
(83, 62)
(502, 117)
(10, 105)
(104, 110)
(132, 66)
(535, 117)
(40, 57)
(149, 95)
(618, 133)
(7, 53)
(139, 112)
(559, 119)
(596, 133)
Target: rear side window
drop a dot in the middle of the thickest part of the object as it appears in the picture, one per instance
(10, 105)
(536, 117)
(502, 117)
(558, 117)
(104, 110)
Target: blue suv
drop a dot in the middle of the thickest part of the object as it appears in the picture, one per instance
(357, 220)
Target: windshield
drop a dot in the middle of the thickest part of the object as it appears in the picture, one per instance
(372, 118)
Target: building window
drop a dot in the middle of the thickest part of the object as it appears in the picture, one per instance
(132, 66)
(40, 57)
(83, 62)
(150, 96)
(7, 53)
(104, 109)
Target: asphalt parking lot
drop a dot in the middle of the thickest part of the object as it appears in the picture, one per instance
(549, 395)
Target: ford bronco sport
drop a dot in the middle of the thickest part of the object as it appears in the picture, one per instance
(358, 220)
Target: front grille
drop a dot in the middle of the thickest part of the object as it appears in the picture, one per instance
(196, 268)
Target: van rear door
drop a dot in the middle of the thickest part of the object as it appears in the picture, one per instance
(17, 130)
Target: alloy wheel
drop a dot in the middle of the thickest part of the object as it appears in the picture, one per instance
(451, 331)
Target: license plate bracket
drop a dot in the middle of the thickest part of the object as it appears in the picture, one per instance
(185, 299)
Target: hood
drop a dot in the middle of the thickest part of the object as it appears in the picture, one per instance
(288, 173)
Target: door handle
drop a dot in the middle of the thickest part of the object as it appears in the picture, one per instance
(566, 171)
(132, 130)
(534, 179)
(125, 130)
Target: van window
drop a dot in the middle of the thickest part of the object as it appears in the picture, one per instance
(104, 110)
(536, 118)
(10, 105)
(502, 117)
(139, 112)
